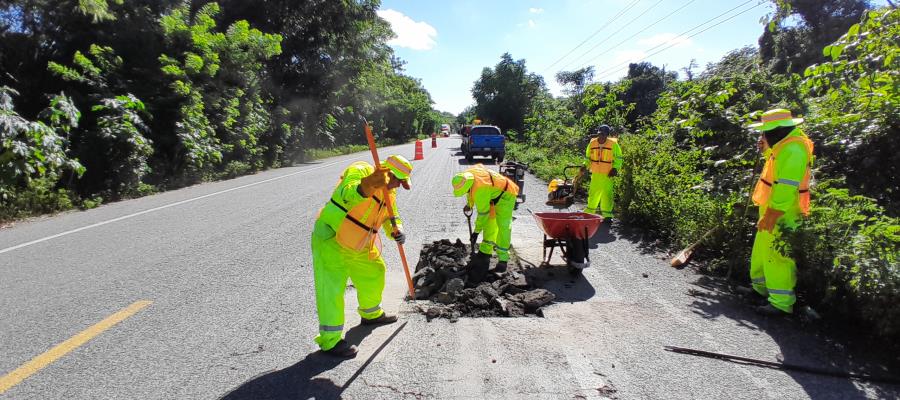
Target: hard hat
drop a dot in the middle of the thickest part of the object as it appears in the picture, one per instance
(602, 129)
(776, 118)
(400, 167)
(462, 182)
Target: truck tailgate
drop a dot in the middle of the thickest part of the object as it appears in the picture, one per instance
(487, 142)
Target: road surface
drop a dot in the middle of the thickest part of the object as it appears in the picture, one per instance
(206, 292)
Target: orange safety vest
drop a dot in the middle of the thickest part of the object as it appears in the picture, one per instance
(601, 157)
(487, 178)
(764, 186)
(359, 229)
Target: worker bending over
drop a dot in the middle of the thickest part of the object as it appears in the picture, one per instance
(493, 197)
(345, 243)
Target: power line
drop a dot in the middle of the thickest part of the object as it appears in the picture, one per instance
(611, 71)
(605, 25)
(611, 35)
(703, 23)
(643, 30)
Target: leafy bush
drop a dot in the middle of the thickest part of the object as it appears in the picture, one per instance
(120, 135)
(856, 108)
(38, 196)
(33, 157)
(687, 168)
(849, 256)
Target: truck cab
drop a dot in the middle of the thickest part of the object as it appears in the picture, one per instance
(483, 141)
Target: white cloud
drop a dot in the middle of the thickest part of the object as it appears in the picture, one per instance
(627, 56)
(667, 38)
(536, 10)
(409, 33)
(531, 23)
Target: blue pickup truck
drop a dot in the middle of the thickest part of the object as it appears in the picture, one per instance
(484, 141)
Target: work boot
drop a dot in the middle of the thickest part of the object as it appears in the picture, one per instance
(751, 296)
(384, 319)
(341, 350)
(501, 267)
(770, 311)
(478, 267)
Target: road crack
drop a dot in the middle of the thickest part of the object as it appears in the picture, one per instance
(416, 395)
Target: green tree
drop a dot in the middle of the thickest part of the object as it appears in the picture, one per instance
(856, 104)
(504, 95)
(792, 47)
(35, 149)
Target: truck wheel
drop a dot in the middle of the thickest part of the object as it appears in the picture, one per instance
(469, 157)
(499, 159)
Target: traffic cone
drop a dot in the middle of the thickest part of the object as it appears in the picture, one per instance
(420, 155)
(433, 141)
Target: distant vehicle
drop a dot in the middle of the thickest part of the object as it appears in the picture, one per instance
(445, 130)
(483, 141)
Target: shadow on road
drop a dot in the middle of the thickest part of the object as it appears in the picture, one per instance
(485, 161)
(301, 381)
(603, 235)
(566, 286)
(647, 241)
(800, 343)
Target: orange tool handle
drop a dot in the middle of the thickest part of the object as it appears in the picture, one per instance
(371, 139)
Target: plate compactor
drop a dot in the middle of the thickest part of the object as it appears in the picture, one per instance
(561, 192)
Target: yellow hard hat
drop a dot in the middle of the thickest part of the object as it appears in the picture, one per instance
(462, 182)
(400, 167)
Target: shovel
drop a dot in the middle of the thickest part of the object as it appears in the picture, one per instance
(684, 255)
(468, 213)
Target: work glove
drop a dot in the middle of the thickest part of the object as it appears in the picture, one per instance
(375, 182)
(768, 220)
(613, 172)
(399, 237)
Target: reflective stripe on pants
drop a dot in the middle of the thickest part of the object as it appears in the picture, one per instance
(332, 265)
(498, 229)
(600, 194)
(772, 273)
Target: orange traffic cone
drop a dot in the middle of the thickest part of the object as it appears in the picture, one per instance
(419, 153)
(433, 141)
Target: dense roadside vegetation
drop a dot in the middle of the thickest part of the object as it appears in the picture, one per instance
(689, 157)
(107, 99)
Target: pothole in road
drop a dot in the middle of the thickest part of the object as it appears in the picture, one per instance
(441, 277)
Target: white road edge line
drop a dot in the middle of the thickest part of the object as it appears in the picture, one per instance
(124, 217)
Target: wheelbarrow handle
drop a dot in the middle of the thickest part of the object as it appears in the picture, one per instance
(565, 175)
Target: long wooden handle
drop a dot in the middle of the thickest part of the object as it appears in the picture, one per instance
(390, 206)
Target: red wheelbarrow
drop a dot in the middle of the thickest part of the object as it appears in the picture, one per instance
(570, 231)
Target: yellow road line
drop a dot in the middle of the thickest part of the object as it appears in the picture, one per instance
(48, 357)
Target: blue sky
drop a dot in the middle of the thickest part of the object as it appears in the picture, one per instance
(447, 43)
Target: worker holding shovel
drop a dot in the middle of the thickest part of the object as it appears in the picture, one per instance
(782, 194)
(493, 196)
(345, 243)
(604, 159)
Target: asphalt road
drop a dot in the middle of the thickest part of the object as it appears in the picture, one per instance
(227, 269)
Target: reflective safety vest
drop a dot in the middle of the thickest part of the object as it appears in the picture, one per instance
(485, 178)
(764, 186)
(357, 228)
(601, 156)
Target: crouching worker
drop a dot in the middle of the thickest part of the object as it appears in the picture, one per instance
(494, 198)
(345, 243)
